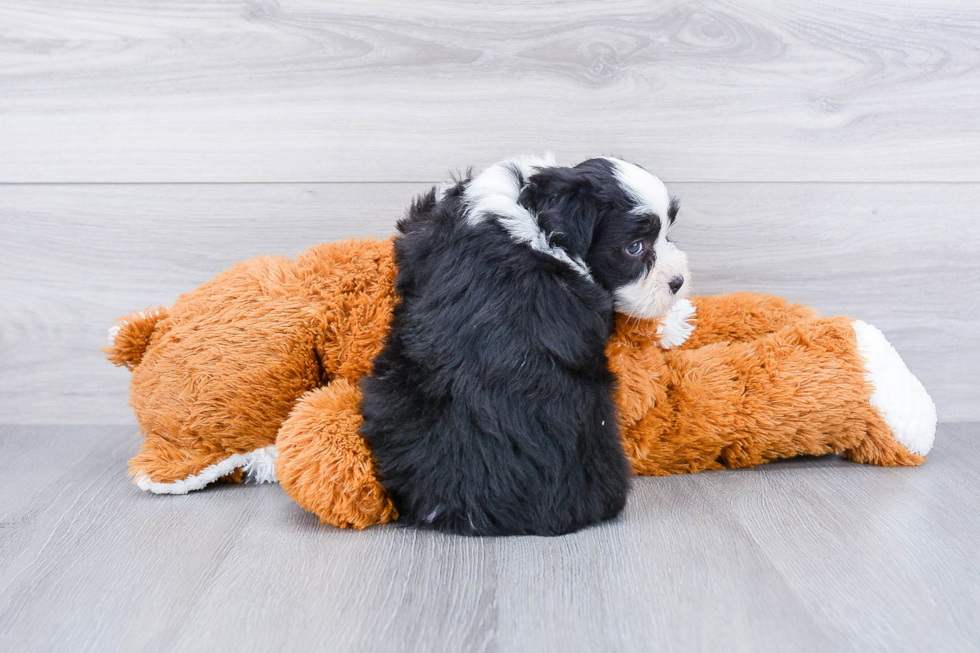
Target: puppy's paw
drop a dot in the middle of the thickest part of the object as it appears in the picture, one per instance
(678, 325)
(901, 398)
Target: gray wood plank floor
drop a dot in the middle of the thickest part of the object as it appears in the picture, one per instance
(804, 555)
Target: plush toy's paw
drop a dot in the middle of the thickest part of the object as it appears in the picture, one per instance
(901, 399)
(258, 466)
(678, 325)
(325, 464)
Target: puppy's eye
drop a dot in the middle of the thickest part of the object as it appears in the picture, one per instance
(635, 248)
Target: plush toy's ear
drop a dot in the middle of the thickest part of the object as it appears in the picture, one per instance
(564, 200)
(131, 335)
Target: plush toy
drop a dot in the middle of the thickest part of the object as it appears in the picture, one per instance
(255, 375)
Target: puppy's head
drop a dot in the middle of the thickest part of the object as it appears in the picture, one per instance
(614, 216)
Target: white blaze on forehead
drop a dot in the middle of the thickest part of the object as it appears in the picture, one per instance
(494, 193)
(650, 295)
(645, 189)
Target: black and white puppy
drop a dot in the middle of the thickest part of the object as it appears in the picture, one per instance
(490, 409)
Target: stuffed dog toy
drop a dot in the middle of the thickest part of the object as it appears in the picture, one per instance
(256, 375)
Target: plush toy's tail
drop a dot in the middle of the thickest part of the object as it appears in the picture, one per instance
(131, 336)
(896, 393)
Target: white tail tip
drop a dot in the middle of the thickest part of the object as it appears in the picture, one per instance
(901, 398)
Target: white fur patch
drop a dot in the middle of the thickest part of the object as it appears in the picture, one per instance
(259, 467)
(901, 398)
(644, 188)
(650, 296)
(442, 189)
(678, 326)
(494, 192)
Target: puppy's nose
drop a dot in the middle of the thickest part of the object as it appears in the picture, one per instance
(675, 284)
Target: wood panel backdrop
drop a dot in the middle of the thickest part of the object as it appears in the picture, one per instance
(823, 150)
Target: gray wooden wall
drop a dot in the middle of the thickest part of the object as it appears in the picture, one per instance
(824, 150)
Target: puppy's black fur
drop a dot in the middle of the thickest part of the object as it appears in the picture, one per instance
(490, 411)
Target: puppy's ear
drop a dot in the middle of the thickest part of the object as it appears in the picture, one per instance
(564, 200)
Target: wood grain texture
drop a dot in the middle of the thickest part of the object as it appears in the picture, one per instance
(803, 555)
(303, 90)
(73, 258)
(807, 555)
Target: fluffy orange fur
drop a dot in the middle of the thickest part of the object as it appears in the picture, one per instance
(271, 352)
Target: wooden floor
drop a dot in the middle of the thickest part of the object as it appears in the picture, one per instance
(804, 555)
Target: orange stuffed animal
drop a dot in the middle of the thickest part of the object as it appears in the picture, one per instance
(255, 375)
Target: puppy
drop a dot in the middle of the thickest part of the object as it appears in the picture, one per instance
(490, 409)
